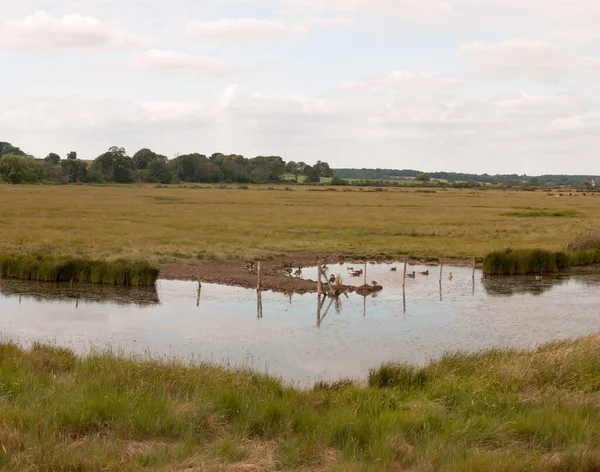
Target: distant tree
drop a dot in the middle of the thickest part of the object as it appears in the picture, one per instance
(53, 158)
(7, 148)
(159, 172)
(18, 168)
(312, 175)
(74, 171)
(423, 177)
(143, 158)
(195, 168)
(323, 169)
(72, 155)
(115, 165)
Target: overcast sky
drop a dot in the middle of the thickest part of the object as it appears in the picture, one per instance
(497, 86)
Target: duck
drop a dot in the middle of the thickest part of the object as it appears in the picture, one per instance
(298, 272)
(412, 276)
(393, 269)
(450, 277)
(356, 273)
(374, 283)
(426, 272)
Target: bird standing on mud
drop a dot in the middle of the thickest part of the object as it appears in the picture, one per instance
(298, 272)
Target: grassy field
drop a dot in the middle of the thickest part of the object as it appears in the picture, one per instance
(511, 411)
(166, 225)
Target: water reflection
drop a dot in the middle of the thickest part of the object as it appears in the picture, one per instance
(303, 337)
(56, 292)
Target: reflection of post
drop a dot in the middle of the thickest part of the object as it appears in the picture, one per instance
(404, 298)
(77, 303)
(473, 270)
(259, 310)
(319, 287)
(404, 278)
(441, 298)
(199, 287)
(365, 273)
(365, 306)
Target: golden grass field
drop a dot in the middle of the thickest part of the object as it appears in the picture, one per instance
(175, 224)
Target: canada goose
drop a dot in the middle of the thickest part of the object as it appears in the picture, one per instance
(332, 279)
(249, 266)
(424, 273)
(350, 269)
(356, 273)
(298, 273)
(374, 283)
(394, 269)
(412, 276)
(450, 277)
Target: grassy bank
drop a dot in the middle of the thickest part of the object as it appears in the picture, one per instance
(169, 225)
(46, 268)
(492, 411)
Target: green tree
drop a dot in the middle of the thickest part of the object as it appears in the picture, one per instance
(423, 177)
(323, 169)
(115, 165)
(143, 158)
(18, 168)
(7, 148)
(53, 158)
(159, 172)
(312, 175)
(74, 171)
(72, 155)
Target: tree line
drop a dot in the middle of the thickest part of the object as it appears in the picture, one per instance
(501, 179)
(115, 165)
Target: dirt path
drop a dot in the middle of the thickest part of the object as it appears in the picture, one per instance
(235, 273)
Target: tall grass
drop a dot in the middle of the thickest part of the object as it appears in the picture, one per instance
(497, 410)
(44, 268)
(536, 261)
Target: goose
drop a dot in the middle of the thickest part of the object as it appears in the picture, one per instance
(394, 269)
(298, 273)
(424, 272)
(356, 273)
(412, 276)
(450, 277)
(249, 266)
(332, 279)
(374, 283)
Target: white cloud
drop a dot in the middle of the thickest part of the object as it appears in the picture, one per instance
(402, 80)
(319, 21)
(180, 63)
(43, 32)
(531, 60)
(243, 30)
(418, 9)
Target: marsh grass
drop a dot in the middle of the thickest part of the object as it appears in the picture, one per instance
(496, 410)
(536, 261)
(46, 268)
(175, 225)
(542, 213)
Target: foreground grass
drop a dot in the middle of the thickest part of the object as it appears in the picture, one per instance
(492, 411)
(166, 225)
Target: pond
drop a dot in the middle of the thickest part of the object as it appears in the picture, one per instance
(290, 340)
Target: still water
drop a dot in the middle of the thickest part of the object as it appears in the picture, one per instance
(290, 340)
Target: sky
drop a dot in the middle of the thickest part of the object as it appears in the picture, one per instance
(496, 86)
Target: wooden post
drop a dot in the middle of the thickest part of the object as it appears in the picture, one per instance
(259, 283)
(319, 286)
(441, 270)
(404, 278)
(473, 269)
(365, 273)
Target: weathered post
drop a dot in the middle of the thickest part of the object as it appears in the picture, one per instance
(319, 286)
(473, 269)
(365, 274)
(259, 271)
(259, 309)
(441, 271)
(404, 278)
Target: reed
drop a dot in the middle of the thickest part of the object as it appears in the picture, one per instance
(45, 268)
(536, 261)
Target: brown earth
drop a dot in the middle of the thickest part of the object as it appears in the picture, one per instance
(235, 273)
